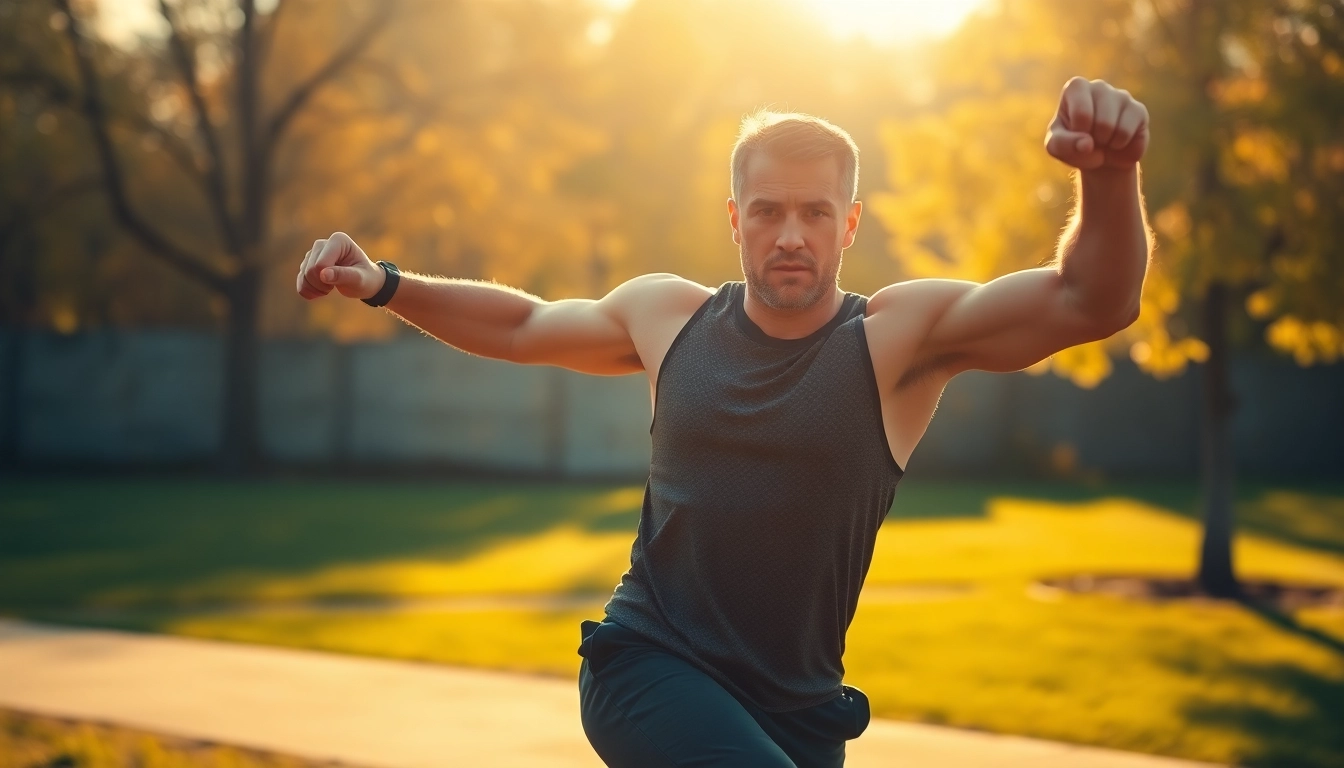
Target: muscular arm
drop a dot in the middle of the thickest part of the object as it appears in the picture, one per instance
(491, 320)
(476, 317)
(1092, 289)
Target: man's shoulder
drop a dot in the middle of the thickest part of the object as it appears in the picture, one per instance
(920, 295)
(898, 320)
(657, 301)
(662, 291)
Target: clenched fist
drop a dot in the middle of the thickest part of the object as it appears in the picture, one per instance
(337, 262)
(1097, 126)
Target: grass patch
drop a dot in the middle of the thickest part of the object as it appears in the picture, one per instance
(1211, 681)
(38, 741)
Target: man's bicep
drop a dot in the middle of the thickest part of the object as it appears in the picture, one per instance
(1008, 323)
(585, 335)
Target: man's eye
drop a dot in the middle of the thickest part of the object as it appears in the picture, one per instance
(817, 213)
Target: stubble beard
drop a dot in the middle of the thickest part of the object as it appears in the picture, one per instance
(774, 299)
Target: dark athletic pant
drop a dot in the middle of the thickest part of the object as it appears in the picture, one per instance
(643, 707)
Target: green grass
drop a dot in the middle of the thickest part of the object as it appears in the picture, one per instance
(1211, 681)
(36, 741)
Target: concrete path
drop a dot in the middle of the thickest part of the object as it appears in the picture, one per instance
(392, 714)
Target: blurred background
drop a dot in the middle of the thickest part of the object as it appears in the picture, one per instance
(1138, 543)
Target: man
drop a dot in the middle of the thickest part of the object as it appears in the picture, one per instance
(785, 410)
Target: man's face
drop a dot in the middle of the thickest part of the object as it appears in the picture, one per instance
(791, 225)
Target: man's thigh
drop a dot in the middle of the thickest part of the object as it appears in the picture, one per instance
(646, 708)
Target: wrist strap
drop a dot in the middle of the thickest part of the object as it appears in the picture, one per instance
(384, 295)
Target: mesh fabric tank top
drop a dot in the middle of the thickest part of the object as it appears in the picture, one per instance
(769, 478)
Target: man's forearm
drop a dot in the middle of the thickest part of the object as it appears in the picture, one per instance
(476, 317)
(1104, 252)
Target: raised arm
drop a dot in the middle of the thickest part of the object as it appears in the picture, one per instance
(491, 320)
(1092, 289)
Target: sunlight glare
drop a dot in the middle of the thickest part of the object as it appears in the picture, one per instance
(889, 21)
(880, 21)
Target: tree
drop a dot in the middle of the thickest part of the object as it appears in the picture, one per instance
(1244, 178)
(231, 157)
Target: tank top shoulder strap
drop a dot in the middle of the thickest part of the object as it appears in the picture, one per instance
(721, 298)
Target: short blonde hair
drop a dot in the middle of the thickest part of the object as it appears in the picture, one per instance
(794, 136)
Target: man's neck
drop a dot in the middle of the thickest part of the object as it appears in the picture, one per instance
(792, 323)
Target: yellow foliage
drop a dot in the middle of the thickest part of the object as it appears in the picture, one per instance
(1260, 304)
(950, 211)
(1162, 357)
(1173, 221)
(1086, 365)
(1259, 155)
(1308, 342)
(1241, 91)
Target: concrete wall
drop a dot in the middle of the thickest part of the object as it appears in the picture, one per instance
(418, 401)
(145, 397)
(154, 397)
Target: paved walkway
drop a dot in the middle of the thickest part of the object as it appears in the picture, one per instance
(393, 714)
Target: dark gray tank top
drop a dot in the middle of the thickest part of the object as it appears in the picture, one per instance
(769, 478)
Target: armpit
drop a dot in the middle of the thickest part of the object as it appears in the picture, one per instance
(924, 369)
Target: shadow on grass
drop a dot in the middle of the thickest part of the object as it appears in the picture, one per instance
(1308, 514)
(946, 499)
(1308, 736)
(1289, 624)
(71, 542)
(67, 542)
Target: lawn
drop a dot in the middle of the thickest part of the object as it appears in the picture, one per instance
(949, 630)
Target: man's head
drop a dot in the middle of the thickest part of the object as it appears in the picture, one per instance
(794, 180)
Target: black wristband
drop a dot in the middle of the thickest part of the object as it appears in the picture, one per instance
(389, 285)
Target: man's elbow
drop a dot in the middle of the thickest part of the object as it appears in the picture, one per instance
(1109, 325)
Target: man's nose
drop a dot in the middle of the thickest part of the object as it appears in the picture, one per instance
(791, 234)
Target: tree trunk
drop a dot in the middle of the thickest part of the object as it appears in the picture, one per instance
(240, 451)
(13, 403)
(1216, 574)
(19, 245)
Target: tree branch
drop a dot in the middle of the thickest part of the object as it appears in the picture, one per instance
(267, 37)
(214, 173)
(326, 72)
(175, 149)
(25, 215)
(57, 89)
(58, 92)
(113, 181)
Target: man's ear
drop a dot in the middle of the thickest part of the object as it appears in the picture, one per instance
(852, 223)
(732, 221)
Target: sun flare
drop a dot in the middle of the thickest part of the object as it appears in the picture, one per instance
(885, 21)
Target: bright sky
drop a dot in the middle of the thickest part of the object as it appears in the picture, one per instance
(882, 21)
(887, 21)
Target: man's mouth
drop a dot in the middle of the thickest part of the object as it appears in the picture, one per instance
(792, 268)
